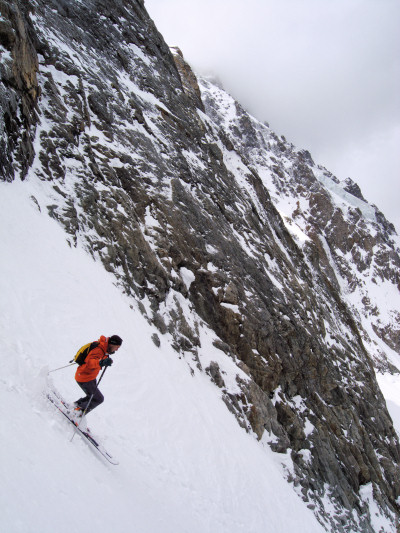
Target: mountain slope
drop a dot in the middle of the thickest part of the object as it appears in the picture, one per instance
(356, 248)
(185, 465)
(210, 222)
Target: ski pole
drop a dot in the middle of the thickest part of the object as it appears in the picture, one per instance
(61, 367)
(90, 399)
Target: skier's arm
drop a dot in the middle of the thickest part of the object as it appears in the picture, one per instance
(93, 361)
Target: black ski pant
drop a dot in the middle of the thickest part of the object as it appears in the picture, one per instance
(90, 387)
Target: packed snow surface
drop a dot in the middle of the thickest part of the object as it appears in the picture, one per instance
(185, 464)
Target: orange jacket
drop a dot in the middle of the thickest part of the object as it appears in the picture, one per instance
(91, 367)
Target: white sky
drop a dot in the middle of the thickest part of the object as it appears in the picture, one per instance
(324, 73)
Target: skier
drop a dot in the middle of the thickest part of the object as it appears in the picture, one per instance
(86, 374)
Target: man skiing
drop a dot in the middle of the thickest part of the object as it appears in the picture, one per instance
(86, 374)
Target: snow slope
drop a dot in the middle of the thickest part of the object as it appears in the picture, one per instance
(185, 464)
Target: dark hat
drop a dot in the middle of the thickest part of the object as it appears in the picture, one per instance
(114, 340)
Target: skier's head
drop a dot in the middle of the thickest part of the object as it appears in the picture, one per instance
(114, 342)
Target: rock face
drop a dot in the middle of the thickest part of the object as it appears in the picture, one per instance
(208, 219)
(19, 90)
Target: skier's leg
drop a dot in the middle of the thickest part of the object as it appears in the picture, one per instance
(90, 388)
(86, 387)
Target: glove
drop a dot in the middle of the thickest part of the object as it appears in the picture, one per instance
(107, 361)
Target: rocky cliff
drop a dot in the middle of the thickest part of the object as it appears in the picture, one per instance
(208, 219)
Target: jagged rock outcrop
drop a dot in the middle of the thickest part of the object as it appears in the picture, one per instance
(350, 240)
(19, 90)
(180, 193)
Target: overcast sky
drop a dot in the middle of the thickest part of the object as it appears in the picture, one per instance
(323, 73)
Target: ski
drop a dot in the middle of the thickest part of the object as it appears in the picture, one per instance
(60, 404)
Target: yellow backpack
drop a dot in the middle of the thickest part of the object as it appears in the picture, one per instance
(83, 352)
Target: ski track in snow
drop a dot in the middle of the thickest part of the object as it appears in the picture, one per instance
(185, 464)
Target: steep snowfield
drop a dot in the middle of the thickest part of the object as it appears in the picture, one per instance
(185, 464)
